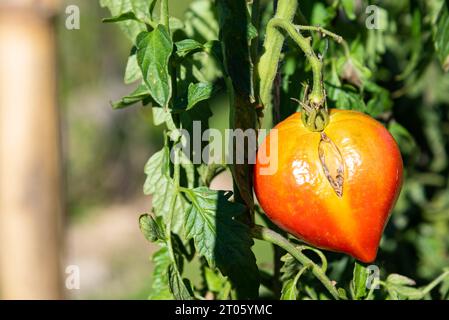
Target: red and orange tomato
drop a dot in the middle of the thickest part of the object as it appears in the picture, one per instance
(333, 189)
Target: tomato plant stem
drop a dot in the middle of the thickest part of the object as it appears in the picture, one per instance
(262, 233)
(165, 18)
(334, 36)
(176, 180)
(317, 95)
(435, 282)
(274, 39)
(233, 22)
(315, 115)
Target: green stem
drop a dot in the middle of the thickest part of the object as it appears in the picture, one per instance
(176, 179)
(254, 46)
(165, 18)
(277, 285)
(374, 285)
(168, 231)
(274, 39)
(334, 36)
(434, 283)
(262, 233)
(316, 97)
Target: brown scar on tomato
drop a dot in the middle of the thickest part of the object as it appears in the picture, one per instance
(332, 163)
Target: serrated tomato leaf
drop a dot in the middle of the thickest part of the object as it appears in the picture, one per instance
(397, 279)
(122, 17)
(160, 185)
(187, 46)
(140, 94)
(154, 50)
(132, 72)
(224, 241)
(160, 286)
(289, 290)
(179, 287)
(358, 283)
(198, 92)
(290, 267)
(118, 8)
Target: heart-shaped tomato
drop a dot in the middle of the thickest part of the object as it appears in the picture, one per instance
(333, 189)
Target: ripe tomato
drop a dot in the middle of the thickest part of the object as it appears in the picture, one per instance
(333, 189)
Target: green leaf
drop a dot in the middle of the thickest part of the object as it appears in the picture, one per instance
(139, 8)
(358, 284)
(201, 22)
(344, 96)
(161, 115)
(189, 169)
(140, 94)
(157, 169)
(342, 293)
(199, 92)
(122, 17)
(321, 16)
(160, 289)
(311, 292)
(397, 279)
(151, 7)
(441, 36)
(444, 289)
(132, 72)
(392, 294)
(401, 285)
(416, 46)
(221, 239)
(153, 55)
(291, 271)
(179, 287)
(187, 46)
(215, 281)
(348, 7)
(252, 31)
(348, 98)
(289, 290)
(150, 228)
(290, 268)
(352, 68)
(209, 172)
(175, 24)
(404, 139)
(434, 134)
(160, 185)
(407, 292)
(380, 100)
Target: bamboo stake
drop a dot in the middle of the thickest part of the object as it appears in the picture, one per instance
(30, 173)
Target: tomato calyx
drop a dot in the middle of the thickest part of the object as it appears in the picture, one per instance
(315, 114)
(315, 119)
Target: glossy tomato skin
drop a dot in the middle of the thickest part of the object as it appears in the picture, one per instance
(299, 198)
